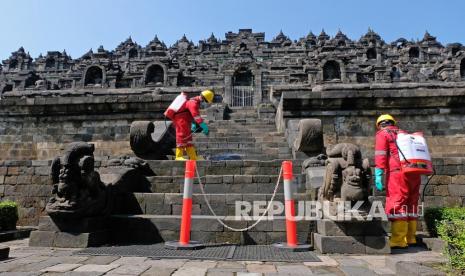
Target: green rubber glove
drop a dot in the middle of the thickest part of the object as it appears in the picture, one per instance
(379, 179)
(194, 127)
(204, 127)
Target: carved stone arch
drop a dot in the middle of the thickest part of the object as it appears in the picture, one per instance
(94, 76)
(50, 63)
(240, 73)
(13, 64)
(371, 53)
(414, 52)
(243, 76)
(156, 73)
(133, 53)
(332, 70)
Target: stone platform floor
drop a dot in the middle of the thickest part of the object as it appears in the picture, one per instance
(26, 260)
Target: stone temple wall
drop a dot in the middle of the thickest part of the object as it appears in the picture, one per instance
(37, 128)
(28, 183)
(349, 113)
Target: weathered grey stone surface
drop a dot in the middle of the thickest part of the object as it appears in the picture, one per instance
(413, 269)
(352, 244)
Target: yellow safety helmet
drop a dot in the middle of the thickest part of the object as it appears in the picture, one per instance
(208, 95)
(385, 117)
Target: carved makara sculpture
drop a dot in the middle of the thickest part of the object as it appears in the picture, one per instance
(347, 175)
(79, 191)
(77, 188)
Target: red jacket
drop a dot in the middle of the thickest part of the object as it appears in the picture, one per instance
(182, 119)
(386, 152)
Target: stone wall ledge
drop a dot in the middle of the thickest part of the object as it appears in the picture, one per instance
(374, 93)
(369, 86)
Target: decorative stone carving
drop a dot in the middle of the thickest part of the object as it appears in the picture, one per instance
(347, 174)
(152, 140)
(77, 188)
(79, 191)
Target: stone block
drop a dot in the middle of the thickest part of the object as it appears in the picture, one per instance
(440, 190)
(456, 190)
(157, 209)
(12, 180)
(243, 179)
(339, 244)
(377, 245)
(434, 244)
(4, 252)
(80, 240)
(458, 179)
(314, 177)
(414, 269)
(350, 228)
(92, 224)
(42, 238)
(13, 171)
(42, 171)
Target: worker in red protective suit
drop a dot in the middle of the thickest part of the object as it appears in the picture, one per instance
(185, 114)
(402, 190)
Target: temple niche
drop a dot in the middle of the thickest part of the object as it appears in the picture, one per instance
(331, 71)
(462, 69)
(13, 64)
(371, 53)
(243, 77)
(414, 52)
(154, 75)
(243, 62)
(31, 80)
(133, 53)
(184, 80)
(50, 63)
(94, 77)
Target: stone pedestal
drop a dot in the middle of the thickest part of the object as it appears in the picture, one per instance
(4, 252)
(351, 237)
(75, 233)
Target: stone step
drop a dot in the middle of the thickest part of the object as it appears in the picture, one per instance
(159, 228)
(223, 204)
(243, 129)
(224, 184)
(232, 123)
(237, 139)
(238, 145)
(244, 152)
(235, 167)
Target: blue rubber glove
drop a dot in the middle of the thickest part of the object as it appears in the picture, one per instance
(379, 179)
(194, 127)
(204, 127)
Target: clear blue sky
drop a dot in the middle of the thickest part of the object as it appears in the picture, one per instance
(77, 25)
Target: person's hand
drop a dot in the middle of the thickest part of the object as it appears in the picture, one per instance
(379, 179)
(204, 127)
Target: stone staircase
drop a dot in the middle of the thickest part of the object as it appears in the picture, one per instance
(155, 217)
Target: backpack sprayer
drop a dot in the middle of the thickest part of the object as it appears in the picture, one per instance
(415, 158)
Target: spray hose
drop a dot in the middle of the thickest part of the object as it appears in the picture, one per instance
(222, 222)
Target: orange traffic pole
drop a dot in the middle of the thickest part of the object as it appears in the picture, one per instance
(291, 228)
(185, 233)
(289, 206)
(186, 216)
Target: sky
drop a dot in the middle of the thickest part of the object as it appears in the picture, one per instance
(78, 25)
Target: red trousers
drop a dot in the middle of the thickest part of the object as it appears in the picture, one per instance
(402, 195)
